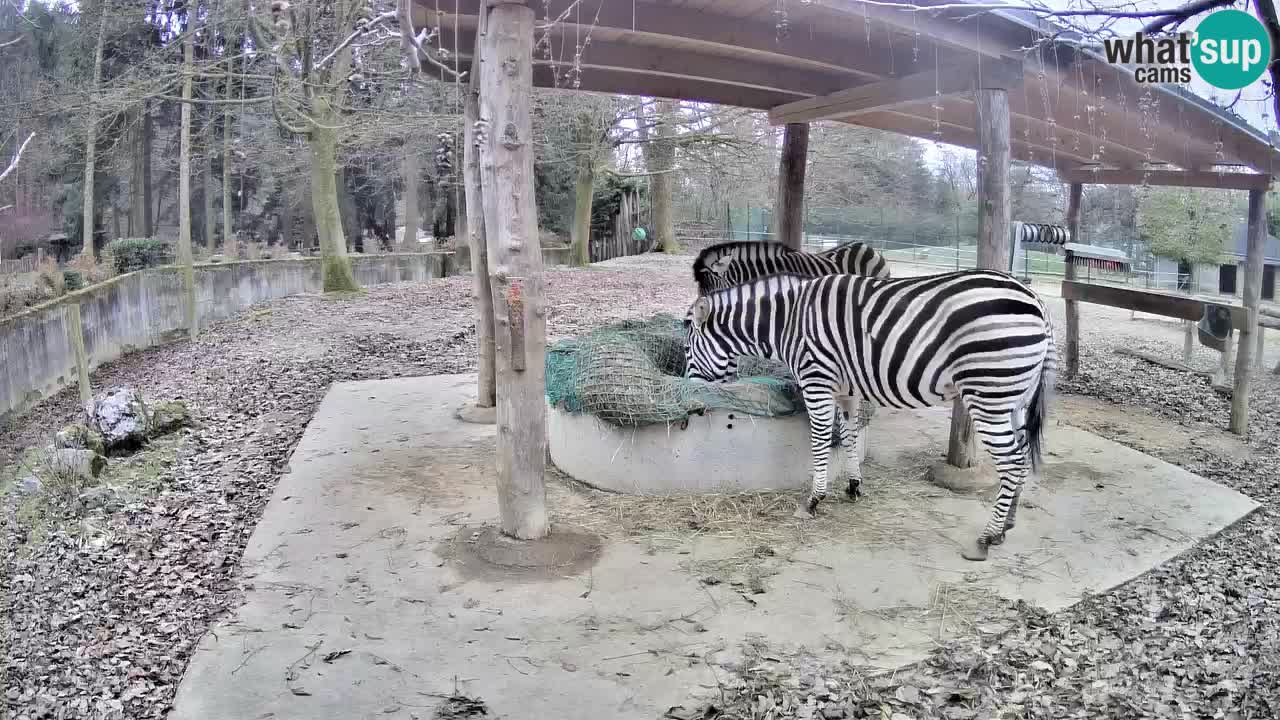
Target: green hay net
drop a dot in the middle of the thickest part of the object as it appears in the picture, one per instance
(630, 374)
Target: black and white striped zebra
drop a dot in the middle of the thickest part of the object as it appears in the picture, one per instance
(906, 343)
(735, 263)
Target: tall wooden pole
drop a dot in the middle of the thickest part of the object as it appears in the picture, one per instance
(790, 209)
(1072, 360)
(486, 391)
(185, 258)
(1252, 298)
(515, 267)
(994, 247)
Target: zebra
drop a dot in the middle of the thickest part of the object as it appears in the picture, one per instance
(916, 342)
(734, 263)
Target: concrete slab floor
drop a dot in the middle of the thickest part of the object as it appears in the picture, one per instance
(354, 609)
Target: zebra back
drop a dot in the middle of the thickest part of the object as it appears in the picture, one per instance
(729, 264)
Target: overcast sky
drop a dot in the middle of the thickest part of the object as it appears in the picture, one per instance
(1254, 106)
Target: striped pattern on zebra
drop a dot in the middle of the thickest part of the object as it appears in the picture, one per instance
(906, 343)
(735, 263)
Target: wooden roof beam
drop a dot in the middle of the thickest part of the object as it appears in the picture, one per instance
(899, 92)
(953, 134)
(685, 64)
(946, 31)
(1171, 178)
(694, 28)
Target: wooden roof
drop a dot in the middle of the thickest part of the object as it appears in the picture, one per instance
(1070, 110)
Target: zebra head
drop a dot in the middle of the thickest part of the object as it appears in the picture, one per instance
(709, 273)
(707, 353)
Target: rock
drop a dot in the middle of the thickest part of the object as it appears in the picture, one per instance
(120, 415)
(80, 437)
(81, 465)
(167, 416)
(977, 479)
(103, 496)
(29, 485)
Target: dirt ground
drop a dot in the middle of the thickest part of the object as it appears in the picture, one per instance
(99, 614)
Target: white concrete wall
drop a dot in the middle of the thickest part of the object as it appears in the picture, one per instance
(145, 308)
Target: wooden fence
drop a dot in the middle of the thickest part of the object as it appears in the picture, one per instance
(22, 265)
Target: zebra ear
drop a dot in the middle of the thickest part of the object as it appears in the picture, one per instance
(701, 311)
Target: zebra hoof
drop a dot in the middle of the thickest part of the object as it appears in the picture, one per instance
(803, 513)
(977, 553)
(997, 540)
(854, 490)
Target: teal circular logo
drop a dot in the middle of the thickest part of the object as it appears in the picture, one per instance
(1232, 49)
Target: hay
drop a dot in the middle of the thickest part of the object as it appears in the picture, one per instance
(880, 518)
(631, 374)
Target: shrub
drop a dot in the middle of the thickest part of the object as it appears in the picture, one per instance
(91, 271)
(130, 254)
(73, 280)
(51, 278)
(19, 292)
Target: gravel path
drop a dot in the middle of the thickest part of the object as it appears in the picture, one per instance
(100, 617)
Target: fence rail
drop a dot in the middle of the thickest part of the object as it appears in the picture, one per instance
(27, 264)
(941, 258)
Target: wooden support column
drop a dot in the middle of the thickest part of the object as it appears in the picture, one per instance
(1072, 350)
(1252, 298)
(790, 209)
(486, 390)
(515, 267)
(992, 120)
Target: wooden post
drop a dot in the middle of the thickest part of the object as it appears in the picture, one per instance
(75, 335)
(994, 249)
(1252, 298)
(1262, 341)
(1072, 360)
(789, 213)
(486, 389)
(515, 267)
(1188, 341)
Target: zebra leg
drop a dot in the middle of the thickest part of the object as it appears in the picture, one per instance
(819, 403)
(1012, 465)
(851, 440)
(1013, 512)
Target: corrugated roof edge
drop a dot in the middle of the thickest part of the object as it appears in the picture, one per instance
(1071, 39)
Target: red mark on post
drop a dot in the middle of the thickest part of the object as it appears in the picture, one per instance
(515, 316)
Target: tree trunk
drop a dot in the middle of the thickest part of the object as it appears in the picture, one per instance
(583, 190)
(336, 266)
(660, 159)
(412, 216)
(148, 138)
(210, 222)
(184, 190)
(227, 163)
(486, 390)
(515, 266)
(789, 214)
(139, 214)
(445, 212)
(91, 140)
(992, 120)
(1252, 297)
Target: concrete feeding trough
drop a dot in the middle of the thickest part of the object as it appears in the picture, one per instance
(718, 451)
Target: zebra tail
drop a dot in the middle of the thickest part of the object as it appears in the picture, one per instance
(1038, 407)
